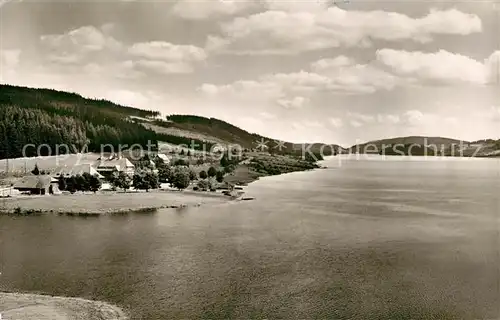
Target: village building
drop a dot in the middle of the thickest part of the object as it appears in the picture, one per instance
(108, 166)
(164, 158)
(41, 185)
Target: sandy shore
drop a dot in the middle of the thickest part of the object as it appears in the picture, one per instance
(110, 202)
(20, 306)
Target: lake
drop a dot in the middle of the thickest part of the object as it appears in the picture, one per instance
(363, 239)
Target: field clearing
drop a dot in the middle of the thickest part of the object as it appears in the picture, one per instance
(184, 133)
(110, 202)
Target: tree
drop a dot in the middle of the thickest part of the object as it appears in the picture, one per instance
(138, 181)
(182, 152)
(189, 153)
(121, 181)
(94, 183)
(151, 181)
(61, 181)
(203, 185)
(71, 184)
(212, 172)
(203, 174)
(80, 183)
(219, 176)
(164, 173)
(192, 174)
(145, 181)
(35, 170)
(86, 180)
(180, 179)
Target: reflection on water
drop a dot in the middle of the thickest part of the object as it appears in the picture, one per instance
(366, 240)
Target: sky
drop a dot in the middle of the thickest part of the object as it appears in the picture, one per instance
(303, 71)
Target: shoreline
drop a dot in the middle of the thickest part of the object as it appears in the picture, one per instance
(27, 306)
(108, 203)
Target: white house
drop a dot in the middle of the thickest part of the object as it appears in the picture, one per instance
(115, 164)
(163, 157)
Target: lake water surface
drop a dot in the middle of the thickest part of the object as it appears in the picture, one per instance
(363, 239)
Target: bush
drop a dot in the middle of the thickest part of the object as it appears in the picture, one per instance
(180, 162)
(219, 176)
(212, 172)
(203, 174)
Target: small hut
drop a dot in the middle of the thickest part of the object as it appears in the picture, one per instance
(37, 185)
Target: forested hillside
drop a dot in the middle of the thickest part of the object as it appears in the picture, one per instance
(50, 117)
(43, 116)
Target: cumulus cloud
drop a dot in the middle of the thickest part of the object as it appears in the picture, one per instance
(441, 66)
(94, 48)
(269, 32)
(83, 40)
(294, 103)
(340, 75)
(197, 10)
(159, 50)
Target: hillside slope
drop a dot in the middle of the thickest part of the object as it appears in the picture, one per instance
(221, 132)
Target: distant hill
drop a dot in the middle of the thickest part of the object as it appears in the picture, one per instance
(402, 144)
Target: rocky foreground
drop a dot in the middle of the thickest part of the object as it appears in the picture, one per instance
(20, 306)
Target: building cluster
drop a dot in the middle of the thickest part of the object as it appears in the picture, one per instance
(103, 168)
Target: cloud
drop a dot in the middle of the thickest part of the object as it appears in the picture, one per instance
(336, 122)
(415, 117)
(82, 40)
(92, 47)
(441, 66)
(340, 75)
(196, 10)
(494, 113)
(334, 63)
(356, 123)
(388, 118)
(9, 58)
(361, 117)
(162, 67)
(294, 103)
(9, 61)
(269, 32)
(159, 50)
